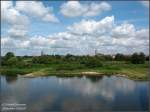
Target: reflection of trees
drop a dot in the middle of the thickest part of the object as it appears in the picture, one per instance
(10, 79)
(94, 79)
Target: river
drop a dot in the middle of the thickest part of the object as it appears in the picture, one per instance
(75, 94)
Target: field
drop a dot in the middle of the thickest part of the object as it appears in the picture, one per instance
(132, 71)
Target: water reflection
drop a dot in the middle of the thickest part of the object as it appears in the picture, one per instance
(76, 93)
(105, 87)
(94, 79)
(10, 79)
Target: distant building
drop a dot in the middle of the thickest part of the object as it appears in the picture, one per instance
(98, 54)
(42, 53)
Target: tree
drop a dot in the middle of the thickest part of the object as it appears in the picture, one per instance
(108, 58)
(12, 61)
(92, 63)
(69, 57)
(138, 58)
(44, 59)
(127, 57)
(9, 55)
(119, 57)
(135, 58)
(147, 58)
(141, 58)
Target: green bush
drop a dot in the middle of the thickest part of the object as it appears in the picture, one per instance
(41, 59)
(119, 57)
(138, 58)
(9, 55)
(7, 58)
(69, 67)
(92, 63)
(12, 61)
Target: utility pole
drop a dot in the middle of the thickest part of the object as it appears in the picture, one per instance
(95, 52)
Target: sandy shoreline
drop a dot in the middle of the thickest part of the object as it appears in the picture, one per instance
(95, 74)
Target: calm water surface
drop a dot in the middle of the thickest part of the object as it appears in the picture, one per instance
(77, 94)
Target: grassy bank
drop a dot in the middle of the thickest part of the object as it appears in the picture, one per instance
(132, 71)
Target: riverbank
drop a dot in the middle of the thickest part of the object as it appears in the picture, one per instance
(132, 71)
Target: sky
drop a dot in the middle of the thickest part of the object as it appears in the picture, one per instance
(74, 27)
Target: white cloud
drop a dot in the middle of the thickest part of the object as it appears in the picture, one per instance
(143, 34)
(40, 41)
(6, 42)
(18, 22)
(125, 30)
(127, 35)
(11, 43)
(84, 37)
(36, 9)
(17, 31)
(10, 15)
(75, 8)
(50, 18)
(92, 27)
(95, 9)
(16, 16)
(24, 44)
(145, 3)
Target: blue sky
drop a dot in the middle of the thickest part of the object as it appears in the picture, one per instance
(131, 11)
(63, 14)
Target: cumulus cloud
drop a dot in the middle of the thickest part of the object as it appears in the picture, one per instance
(40, 41)
(17, 31)
(143, 34)
(125, 30)
(75, 8)
(36, 9)
(11, 43)
(106, 33)
(18, 22)
(95, 9)
(11, 15)
(72, 9)
(6, 42)
(84, 37)
(17, 16)
(92, 26)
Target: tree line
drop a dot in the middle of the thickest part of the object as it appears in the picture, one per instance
(89, 61)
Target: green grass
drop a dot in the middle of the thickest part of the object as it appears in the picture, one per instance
(132, 71)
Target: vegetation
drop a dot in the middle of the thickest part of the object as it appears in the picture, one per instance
(138, 58)
(133, 66)
(119, 57)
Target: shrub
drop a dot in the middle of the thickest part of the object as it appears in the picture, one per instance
(69, 67)
(9, 55)
(7, 58)
(41, 59)
(12, 61)
(92, 63)
(138, 58)
(119, 57)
